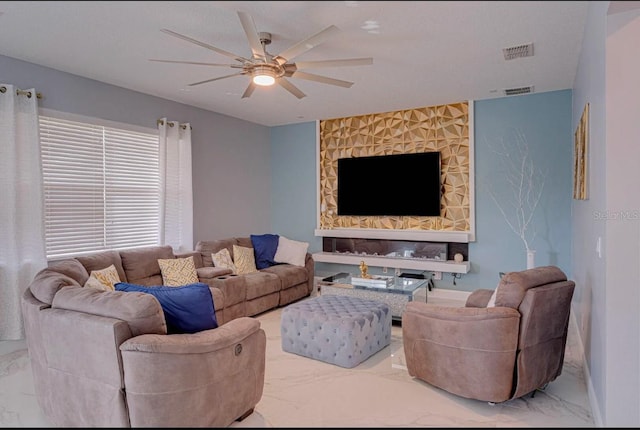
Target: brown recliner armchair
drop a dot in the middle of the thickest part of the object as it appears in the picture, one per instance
(493, 353)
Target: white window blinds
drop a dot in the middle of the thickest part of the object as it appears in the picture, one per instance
(101, 187)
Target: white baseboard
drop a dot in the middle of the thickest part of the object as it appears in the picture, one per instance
(595, 409)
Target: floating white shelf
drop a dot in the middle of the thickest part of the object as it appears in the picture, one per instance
(375, 233)
(448, 266)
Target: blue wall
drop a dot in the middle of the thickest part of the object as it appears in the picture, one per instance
(545, 121)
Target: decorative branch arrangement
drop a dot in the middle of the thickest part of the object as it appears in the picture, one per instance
(525, 182)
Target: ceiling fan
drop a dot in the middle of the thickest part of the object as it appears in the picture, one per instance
(266, 69)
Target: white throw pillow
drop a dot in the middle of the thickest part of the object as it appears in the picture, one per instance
(291, 251)
(492, 300)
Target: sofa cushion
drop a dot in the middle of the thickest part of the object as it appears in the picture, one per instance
(141, 264)
(222, 259)
(289, 275)
(208, 247)
(197, 257)
(187, 308)
(141, 311)
(261, 283)
(102, 259)
(103, 279)
(178, 271)
(244, 260)
(291, 251)
(47, 283)
(264, 248)
(72, 268)
(244, 241)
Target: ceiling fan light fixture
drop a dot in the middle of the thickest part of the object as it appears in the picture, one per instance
(263, 76)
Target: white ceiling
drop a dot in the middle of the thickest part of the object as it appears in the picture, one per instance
(424, 53)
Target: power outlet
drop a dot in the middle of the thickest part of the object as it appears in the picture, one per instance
(398, 271)
(384, 270)
(437, 276)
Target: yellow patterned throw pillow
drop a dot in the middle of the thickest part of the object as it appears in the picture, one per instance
(104, 279)
(223, 259)
(178, 271)
(244, 260)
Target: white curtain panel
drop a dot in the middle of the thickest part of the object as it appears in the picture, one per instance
(22, 247)
(176, 207)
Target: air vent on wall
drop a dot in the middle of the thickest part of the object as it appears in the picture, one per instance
(519, 90)
(519, 51)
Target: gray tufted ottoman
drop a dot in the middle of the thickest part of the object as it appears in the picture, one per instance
(339, 330)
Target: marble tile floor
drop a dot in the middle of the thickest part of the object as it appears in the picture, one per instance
(301, 392)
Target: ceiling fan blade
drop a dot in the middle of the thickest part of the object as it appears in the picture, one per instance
(306, 44)
(290, 87)
(334, 63)
(322, 79)
(252, 35)
(235, 66)
(249, 90)
(206, 45)
(216, 79)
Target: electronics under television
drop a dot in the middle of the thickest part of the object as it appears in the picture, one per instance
(390, 185)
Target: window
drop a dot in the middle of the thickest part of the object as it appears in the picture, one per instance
(101, 187)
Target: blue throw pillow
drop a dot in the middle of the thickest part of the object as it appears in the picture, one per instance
(187, 309)
(264, 249)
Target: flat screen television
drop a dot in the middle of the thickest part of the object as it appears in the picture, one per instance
(390, 185)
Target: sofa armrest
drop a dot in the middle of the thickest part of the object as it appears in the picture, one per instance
(309, 265)
(212, 272)
(209, 378)
(479, 298)
(194, 343)
(439, 341)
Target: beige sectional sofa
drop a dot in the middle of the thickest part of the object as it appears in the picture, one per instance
(253, 293)
(104, 358)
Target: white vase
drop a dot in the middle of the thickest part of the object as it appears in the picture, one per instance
(531, 259)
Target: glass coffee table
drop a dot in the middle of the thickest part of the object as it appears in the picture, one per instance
(400, 292)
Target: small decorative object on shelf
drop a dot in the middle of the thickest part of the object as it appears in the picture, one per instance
(458, 258)
(378, 281)
(363, 270)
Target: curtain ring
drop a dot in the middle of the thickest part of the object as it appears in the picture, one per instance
(3, 89)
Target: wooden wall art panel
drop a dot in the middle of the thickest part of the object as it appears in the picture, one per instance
(443, 128)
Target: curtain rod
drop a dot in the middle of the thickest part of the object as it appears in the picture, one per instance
(20, 92)
(182, 126)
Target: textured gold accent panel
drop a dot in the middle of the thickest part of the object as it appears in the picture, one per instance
(580, 164)
(442, 128)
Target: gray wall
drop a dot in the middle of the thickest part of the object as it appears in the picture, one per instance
(231, 157)
(545, 122)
